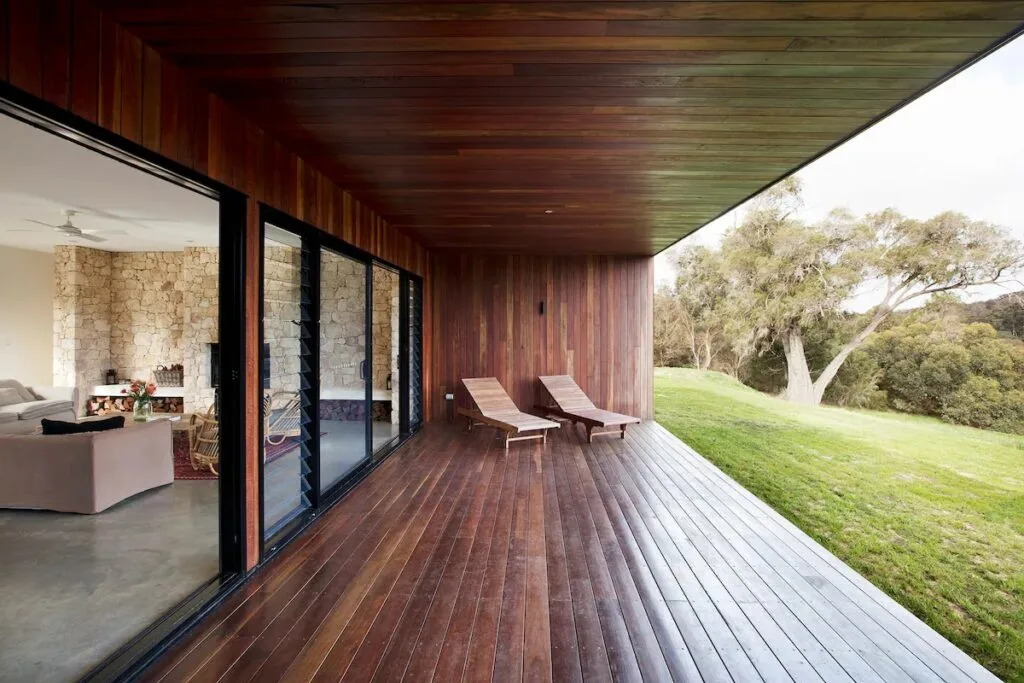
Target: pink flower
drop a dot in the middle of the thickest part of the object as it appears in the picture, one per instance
(150, 389)
(124, 391)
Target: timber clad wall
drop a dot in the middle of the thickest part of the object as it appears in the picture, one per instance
(597, 326)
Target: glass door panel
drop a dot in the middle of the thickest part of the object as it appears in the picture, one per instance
(344, 366)
(285, 323)
(384, 407)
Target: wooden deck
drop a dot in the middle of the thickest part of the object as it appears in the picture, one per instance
(625, 559)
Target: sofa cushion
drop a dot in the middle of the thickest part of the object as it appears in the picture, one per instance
(25, 394)
(32, 410)
(51, 427)
(9, 396)
(8, 417)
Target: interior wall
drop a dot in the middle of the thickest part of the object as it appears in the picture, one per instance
(597, 326)
(146, 311)
(26, 316)
(81, 318)
(282, 278)
(200, 323)
(342, 321)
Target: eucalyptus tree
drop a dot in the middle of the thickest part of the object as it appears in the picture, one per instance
(784, 274)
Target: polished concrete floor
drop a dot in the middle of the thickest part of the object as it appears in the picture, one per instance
(342, 448)
(74, 588)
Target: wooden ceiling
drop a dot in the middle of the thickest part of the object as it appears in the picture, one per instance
(564, 127)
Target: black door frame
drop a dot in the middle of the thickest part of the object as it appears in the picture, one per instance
(132, 657)
(313, 240)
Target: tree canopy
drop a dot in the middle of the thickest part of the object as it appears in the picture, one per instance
(775, 277)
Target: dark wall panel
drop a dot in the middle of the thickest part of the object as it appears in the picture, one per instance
(484, 320)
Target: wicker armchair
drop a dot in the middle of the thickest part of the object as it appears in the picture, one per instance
(204, 440)
(281, 416)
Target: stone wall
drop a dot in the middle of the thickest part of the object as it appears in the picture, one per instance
(342, 311)
(200, 311)
(81, 318)
(133, 311)
(342, 306)
(385, 288)
(395, 394)
(146, 311)
(281, 280)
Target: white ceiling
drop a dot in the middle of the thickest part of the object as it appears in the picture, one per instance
(42, 174)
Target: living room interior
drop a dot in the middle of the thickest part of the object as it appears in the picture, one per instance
(107, 275)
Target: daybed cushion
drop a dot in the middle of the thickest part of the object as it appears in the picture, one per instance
(36, 409)
(25, 394)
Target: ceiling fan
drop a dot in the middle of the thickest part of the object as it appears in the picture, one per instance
(68, 228)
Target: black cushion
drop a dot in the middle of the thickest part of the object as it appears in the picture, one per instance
(60, 427)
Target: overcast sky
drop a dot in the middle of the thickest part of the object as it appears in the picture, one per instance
(959, 147)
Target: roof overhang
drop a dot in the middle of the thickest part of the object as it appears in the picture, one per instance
(566, 127)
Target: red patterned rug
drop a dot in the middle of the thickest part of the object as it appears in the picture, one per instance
(274, 451)
(182, 465)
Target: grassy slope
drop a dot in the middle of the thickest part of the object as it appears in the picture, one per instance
(931, 513)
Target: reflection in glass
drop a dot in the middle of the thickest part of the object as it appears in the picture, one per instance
(343, 366)
(283, 481)
(384, 408)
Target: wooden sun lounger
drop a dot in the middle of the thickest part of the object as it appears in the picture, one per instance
(569, 402)
(495, 408)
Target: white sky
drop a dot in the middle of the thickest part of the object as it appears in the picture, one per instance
(959, 147)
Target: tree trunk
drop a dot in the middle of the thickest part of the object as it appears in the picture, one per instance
(707, 353)
(829, 373)
(799, 387)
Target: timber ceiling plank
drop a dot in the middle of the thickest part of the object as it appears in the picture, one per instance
(565, 127)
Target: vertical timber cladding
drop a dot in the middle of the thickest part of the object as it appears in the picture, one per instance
(597, 326)
(68, 53)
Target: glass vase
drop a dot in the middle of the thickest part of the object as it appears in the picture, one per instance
(142, 410)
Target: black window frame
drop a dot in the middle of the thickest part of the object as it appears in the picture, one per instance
(313, 240)
(128, 661)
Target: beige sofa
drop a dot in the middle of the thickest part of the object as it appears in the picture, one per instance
(86, 472)
(24, 416)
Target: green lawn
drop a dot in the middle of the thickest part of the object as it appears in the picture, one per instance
(931, 513)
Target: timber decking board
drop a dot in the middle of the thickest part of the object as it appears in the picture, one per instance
(618, 560)
(366, 89)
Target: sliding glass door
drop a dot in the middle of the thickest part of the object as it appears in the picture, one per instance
(288, 324)
(340, 369)
(344, 366)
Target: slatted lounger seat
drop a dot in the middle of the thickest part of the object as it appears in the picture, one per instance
(495, 408)
(569, 402)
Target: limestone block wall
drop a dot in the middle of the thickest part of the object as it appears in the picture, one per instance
(385, 288)
(146, 311)
(395, 394)
(281, 283)
(342, 307)
(342, 311)
(200, 310)
(133, 311)
(81, 317)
